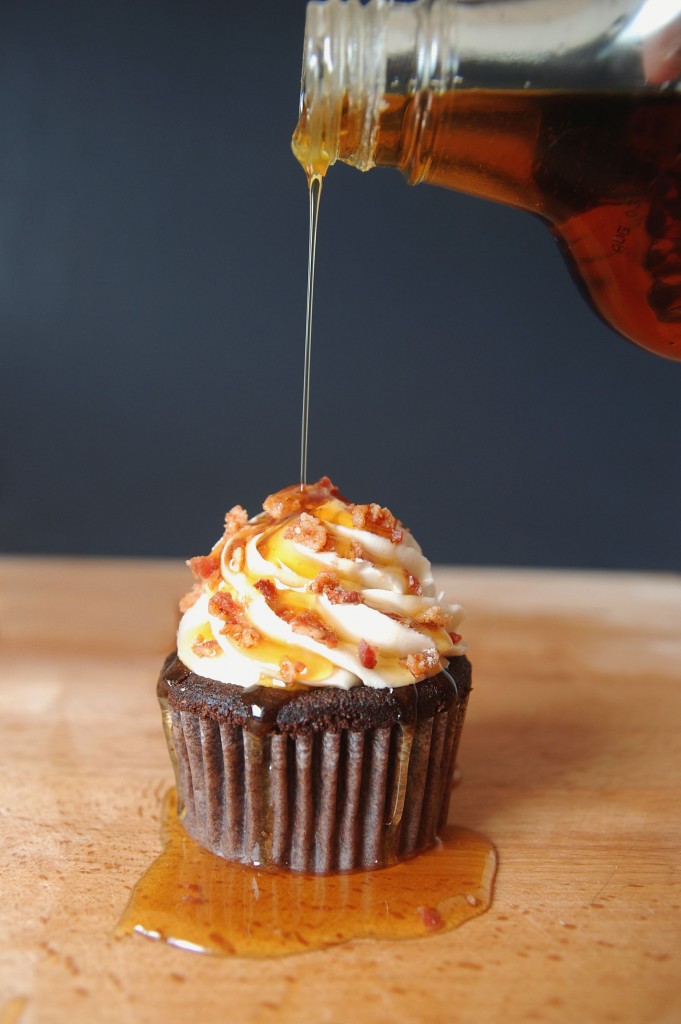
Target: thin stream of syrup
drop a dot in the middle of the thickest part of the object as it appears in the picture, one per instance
(194, 900)
(315, 188)
(197, 901)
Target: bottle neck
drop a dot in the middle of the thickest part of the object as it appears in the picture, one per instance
(356, 56)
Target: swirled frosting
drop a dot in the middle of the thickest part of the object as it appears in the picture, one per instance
(317, 591)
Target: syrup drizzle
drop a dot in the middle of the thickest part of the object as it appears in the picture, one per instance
(194, 900)
(315, 188)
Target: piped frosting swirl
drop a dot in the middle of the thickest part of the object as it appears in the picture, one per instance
(316, 591)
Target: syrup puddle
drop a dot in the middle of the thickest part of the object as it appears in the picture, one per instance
(192, 899)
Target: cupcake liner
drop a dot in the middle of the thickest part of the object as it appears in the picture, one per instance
(316, 802)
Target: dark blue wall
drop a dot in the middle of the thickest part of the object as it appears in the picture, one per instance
(153, 239)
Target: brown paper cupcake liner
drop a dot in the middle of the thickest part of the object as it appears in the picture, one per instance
(319, 801)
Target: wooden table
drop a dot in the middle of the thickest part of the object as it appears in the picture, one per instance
(570, 757)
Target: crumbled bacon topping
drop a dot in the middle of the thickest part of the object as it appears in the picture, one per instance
(236, 625)
(413, 584)
(206, 568)
(431, 917)
(422, 664)
(328, 584)
(324, 580)
(291, 671)
(308, 531)
(310, 624)
(378, 520)
(367, 654)
(190, 598)
(283, 503)
(234, 520)
(296, 498)
(205, 648)
(357, 553)
(267, 589)
(327, 486)
(435, 616)
(456, 638)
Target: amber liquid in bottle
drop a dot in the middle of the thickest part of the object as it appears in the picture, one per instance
(604, 169)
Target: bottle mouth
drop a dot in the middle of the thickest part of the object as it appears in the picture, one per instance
(317, 135)
(342, 83)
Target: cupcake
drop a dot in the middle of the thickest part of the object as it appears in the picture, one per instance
(314, 704)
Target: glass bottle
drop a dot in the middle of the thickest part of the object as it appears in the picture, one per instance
(570, 109)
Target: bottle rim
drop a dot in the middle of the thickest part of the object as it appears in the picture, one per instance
(344, 62)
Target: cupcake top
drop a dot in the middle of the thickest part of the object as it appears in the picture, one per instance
(316, 591)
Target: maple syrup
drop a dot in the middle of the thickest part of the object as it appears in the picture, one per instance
(314, 182)
(572, 112)
(192, 899)
(603, 169)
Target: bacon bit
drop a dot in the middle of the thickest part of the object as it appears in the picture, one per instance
(204, 648)
(435, 616)
(431, 917)
(310, 624)
(250, 637)
(413, 584)
(325, 488)
(456, 638)
(308, 531)
(327, 583)
(291, 671)
(236, 625)
(342, 596)
(267, 589)
(225, 607)
(367, 654)
(234, 520)
(323, 580)
(357, 552)
(422, 664)
(205, 567)
(283, 503)
(378, 520)
(190, 598)
(333, 490)
(296, 498)
(237, 558)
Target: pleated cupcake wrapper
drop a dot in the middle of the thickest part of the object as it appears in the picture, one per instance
(323, 802)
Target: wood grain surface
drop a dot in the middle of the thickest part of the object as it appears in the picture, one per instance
(570, 762)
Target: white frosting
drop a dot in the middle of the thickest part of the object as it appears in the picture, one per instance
(405, 650)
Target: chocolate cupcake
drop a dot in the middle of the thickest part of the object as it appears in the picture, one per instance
(314, 706)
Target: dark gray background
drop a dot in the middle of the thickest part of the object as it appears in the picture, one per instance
(153, 231)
